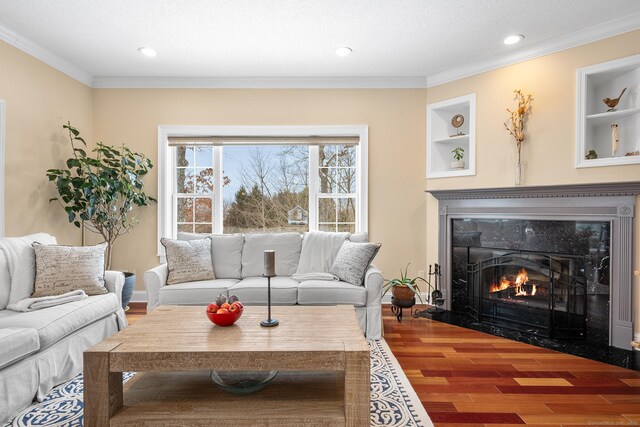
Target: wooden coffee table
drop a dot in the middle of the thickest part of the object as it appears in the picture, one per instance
(320, 352)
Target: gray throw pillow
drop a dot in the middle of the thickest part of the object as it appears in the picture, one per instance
(353, 260)
(62, 269)
(188, 261)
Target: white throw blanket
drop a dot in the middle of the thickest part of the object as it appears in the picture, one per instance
(31, 304)
(319, 250)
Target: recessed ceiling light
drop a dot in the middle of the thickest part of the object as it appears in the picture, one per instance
(513, 39)
(343, 51)
(147, 51)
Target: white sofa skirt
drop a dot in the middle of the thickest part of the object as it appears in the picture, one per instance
(36, 375)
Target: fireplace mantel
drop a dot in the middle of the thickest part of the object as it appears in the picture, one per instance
(573, 190)
(614, 202)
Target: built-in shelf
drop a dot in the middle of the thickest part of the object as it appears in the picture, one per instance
(594, 130)
(611, 116)
(440, 143)
(452, 139)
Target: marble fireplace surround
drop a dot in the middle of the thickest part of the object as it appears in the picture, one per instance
(612, 202)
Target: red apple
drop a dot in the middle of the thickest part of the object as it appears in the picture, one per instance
(239, 304)
(222, 311)
(212, 308)
(226, 306)
(234, 307)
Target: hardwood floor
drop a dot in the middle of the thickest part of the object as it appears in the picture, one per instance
(468, 378)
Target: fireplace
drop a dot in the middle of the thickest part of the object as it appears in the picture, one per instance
(555, 262)
(549, 278)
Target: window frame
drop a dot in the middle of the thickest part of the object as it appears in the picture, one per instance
(167, 227)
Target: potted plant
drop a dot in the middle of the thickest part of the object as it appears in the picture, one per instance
(458, 155)
(404, 288)
(101, 192)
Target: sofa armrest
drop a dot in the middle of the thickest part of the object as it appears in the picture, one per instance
(154, 280)
(114, 282)
(373, 281)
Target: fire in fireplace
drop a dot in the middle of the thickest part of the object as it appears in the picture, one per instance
(520, 287)
(537, 292)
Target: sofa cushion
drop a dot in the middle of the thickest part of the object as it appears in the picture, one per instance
(328, 292)
(362, 237)
(5, 281)
(226, 253)
(16, 343)
(253, 290)
(286, 245)
(62, 269)
(353, 260)
(188, 261)
(20, 258)
(55, 323)
(202, 292)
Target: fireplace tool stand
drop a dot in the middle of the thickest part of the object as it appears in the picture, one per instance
(435, 297)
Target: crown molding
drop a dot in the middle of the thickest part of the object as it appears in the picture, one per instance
(260, 82)
(45, 55)
(556, 44)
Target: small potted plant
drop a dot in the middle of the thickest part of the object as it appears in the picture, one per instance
(458, 155)
(404, 288)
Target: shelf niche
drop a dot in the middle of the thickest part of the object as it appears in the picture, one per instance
(594, 83)
(442, 137)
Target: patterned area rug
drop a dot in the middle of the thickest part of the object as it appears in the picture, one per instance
(393, 400)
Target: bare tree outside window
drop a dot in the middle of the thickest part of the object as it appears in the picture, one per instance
(272, 194)
(265, 188)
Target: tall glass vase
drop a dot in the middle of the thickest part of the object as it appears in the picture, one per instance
(519, 178)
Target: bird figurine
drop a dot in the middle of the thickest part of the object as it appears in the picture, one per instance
(613, 103)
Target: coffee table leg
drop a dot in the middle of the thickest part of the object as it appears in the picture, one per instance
(357, 392)
(102, 389)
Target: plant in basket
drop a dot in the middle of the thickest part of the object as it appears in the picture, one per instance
(225, 312)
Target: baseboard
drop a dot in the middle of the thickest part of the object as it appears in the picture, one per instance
(139, 296)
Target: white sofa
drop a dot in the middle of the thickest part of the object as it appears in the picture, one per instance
(238, 265)
(43, 348)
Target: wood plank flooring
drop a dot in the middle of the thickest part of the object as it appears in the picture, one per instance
(467, 378)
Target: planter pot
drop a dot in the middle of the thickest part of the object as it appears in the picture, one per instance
(457, 165)
(127, 291)
(402, 293)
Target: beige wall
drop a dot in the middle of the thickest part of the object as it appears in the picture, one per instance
(396, 151)
(549, 151)
(39, 100)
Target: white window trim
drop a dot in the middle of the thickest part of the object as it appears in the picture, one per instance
(3, 128)
(165, 179)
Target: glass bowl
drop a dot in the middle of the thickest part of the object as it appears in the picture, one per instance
(242, 382)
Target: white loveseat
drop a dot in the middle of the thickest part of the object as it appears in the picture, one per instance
(43, 348)
(238, 265)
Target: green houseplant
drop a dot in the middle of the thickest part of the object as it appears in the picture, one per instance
(403, 288)
(458, 155)
(100, 190)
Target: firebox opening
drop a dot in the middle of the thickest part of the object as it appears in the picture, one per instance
(546, 278)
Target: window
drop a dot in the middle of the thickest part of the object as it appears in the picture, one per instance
(262, 183)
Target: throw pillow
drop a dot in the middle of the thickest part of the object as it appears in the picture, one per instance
(188, 261)
(62, 269)
(353, 260)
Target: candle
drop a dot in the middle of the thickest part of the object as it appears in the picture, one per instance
(270, 263)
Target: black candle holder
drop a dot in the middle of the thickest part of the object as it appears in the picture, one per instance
(269, 322)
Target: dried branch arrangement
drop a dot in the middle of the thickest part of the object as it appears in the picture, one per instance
(518, 118)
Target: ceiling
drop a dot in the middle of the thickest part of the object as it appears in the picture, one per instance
(297, 38)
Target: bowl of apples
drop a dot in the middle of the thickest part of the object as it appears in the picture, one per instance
(225, 312)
